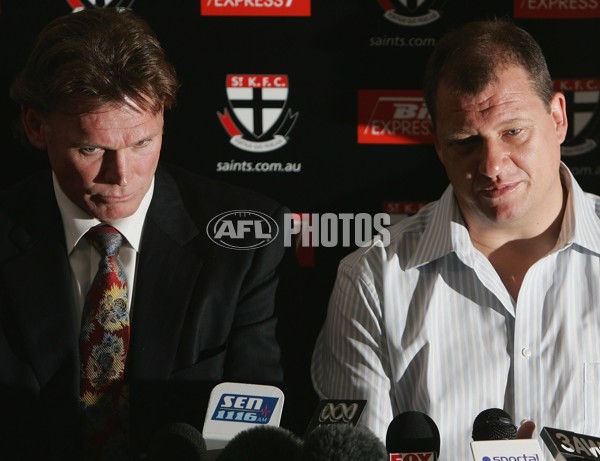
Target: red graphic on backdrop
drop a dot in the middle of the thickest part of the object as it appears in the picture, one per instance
(403, 208)
(399, 210)
(393, 117)
(255, 7)
(557, 9)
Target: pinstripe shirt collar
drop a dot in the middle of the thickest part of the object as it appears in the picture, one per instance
(580, 226)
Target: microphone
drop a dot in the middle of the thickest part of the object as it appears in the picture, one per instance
(412, 435)
(341, 442)
(177, 441)
(494, 424)
(235, 407)
(569, 446)
(261, 443)
(494, 437)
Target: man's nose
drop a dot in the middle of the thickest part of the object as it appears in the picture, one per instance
(493, 157)
(116, 167)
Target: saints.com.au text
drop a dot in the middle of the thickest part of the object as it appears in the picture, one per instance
(234, 166)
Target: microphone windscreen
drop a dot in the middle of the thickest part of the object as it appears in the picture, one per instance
(342, 442)
(177, 442)
(261, 443)
(493, 424)
(413, 432)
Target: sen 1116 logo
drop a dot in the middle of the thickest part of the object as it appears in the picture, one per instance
(245, 409)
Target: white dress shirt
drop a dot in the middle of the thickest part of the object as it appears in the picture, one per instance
(426, 324)
(83, 257)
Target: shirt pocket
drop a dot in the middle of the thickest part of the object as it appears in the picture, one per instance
(592, 398)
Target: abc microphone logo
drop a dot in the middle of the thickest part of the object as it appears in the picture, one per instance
(338, 413)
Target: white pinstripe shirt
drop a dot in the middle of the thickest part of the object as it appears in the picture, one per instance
(426, 324)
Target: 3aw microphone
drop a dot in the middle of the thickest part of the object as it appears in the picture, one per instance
(235, 407)
(570, 446)
(413, 436)
(494, 438)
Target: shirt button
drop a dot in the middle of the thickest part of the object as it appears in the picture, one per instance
(526, 352)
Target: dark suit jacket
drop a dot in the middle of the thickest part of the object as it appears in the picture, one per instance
(202, 314)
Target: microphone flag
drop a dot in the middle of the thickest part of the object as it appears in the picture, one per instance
(235, 407)
(515, 449)
(567, 445)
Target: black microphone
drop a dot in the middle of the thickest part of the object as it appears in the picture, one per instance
(413, 433)
(495, 437)
(342, 442)
(261, 443)
(494, 424)
(177, 442)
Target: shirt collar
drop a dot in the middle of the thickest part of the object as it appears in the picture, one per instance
(446, 231)
(77, 222)
(581, 224)
(436, 241)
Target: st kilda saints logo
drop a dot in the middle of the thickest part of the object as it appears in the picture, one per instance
(257, 119)
(78, 5)
(412, 12)
(583, 112)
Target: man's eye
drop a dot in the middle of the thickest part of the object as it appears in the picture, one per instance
(463, 141)
(514, 131)
(89, 150)
(142, 143)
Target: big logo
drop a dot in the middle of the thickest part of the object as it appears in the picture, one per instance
(557, 9)
(257, 120)
(393, 117)
(583, 111)
(412, 12)
(255, 7)
(78, 5)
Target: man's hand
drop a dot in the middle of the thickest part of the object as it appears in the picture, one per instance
(526, 429)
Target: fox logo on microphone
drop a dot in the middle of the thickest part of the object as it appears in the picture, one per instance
(412, 456)
(244, 408)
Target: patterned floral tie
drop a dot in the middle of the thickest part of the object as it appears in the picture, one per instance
(104, 342)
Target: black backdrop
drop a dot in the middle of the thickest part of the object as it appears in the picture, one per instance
(350, 66)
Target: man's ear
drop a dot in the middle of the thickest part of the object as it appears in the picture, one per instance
(558, 112)
(34, 127)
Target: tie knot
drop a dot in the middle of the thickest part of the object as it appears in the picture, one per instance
(106, 239)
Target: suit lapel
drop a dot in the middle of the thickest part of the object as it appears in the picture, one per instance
(40, 285)
(168, 265)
